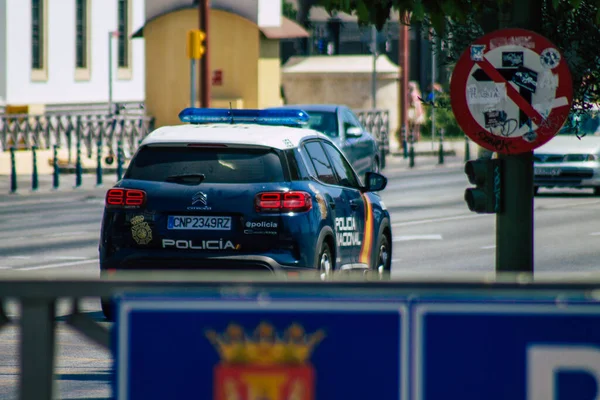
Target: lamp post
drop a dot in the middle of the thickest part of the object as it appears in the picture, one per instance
(111, 35)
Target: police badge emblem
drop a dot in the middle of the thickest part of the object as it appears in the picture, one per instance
(140, 230)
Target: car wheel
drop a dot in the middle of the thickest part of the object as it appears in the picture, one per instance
(383, 260)
(536, 189)
(597, 191)
(107, 309)
(325, 262)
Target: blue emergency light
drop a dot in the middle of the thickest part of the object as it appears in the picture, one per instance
(287, 117)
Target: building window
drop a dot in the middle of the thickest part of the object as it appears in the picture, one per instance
(123, 25)
(81, 34)
(37, 34)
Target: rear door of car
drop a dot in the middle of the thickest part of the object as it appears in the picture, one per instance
(335, 195)
(354, 231)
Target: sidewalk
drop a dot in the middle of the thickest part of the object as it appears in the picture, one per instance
(426, 157)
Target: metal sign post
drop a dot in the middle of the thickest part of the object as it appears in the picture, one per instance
(511, 92)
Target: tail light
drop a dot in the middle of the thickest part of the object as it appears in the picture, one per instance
(125, 198)
(283, 202)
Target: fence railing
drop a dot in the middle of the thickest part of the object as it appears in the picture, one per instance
(23, 131)
(377, 123)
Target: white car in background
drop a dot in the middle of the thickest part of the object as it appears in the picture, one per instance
(569, 161)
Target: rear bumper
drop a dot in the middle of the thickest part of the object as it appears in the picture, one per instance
(167, 261)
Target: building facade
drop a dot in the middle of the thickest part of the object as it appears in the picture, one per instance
(55, 53)
(243, 43)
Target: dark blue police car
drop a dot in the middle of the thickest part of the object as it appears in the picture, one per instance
(244, 190)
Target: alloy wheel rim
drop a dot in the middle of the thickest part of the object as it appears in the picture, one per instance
(382, 260)
(325, 266)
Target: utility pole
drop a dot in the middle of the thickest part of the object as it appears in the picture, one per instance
(374, 72)
(515, 225)
(433, 74)
(204, 11)
(405, 69)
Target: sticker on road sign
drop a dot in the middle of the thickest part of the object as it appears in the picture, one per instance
(511, 91)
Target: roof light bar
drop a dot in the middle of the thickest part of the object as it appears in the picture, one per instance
(287, 117)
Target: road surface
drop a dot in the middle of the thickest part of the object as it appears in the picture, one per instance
(434, 233)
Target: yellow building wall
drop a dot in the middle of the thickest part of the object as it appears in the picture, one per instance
(234, 44)
(269, 74)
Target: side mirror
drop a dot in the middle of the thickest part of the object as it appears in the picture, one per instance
(375, 182)
(353, 132)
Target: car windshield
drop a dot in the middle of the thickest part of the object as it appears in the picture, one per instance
(325, 122)
(585, 124)
(205, 165)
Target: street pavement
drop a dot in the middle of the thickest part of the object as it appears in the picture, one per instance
(48, 233)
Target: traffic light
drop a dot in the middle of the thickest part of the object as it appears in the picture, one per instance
(486, 197)
(195, 45)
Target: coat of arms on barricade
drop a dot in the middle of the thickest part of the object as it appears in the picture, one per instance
(265, 365)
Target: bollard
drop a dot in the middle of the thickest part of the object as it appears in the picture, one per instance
(404, 144)
(441, 152)
(411, 156)
(467, 149)
(119, 161)
(13, 171)
(78, 169)
(34, 176)
(55, 178)
(99, 162)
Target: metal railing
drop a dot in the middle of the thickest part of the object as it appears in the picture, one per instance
(23, 131)
(37, 299)
(377, 123)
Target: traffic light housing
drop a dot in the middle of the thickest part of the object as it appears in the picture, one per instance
(486, 175)
(195, 44)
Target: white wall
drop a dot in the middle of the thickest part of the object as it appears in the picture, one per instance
(61, 86)
(3, 42)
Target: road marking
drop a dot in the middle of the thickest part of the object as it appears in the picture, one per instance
(59, 265)
(417, 237)
(488, 247)
(581, 203)
(20, 257)
(61, 234)
(68, 258)
(442, 219)
(595, 234)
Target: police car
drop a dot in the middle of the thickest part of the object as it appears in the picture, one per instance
(244, 190)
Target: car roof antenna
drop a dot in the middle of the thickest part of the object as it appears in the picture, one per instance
(231, 112)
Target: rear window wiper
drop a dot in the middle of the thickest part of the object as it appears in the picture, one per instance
(187, 178)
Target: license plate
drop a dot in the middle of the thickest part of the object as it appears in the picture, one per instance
(547, 171)
(202, 223)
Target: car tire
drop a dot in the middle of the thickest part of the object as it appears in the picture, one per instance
(325, 263)
(597, 191)
(536, 189)
(383, 258)
(107, 309)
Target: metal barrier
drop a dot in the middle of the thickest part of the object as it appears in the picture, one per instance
(377, 122)
(23, 131)
(116, 136)
(37, 297)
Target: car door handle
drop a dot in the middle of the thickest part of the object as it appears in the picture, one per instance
(332, 204)
(353, 205)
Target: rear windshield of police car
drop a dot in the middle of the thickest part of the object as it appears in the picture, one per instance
(218, 165)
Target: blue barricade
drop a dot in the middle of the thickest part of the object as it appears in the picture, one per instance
(277, 346)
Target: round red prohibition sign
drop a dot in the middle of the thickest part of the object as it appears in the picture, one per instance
(511, 91)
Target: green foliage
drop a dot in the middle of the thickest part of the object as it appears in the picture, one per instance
(444, 117)
(573, 25)
(288, 10)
